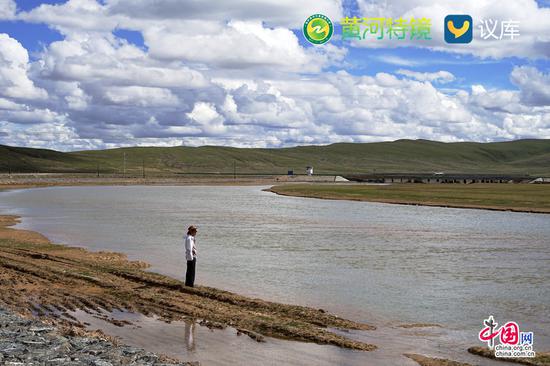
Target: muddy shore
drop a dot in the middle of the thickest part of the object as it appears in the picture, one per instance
(48, 280)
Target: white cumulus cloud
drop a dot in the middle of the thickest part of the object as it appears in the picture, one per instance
(236, 73)
(14, 65)
(7, 9)
(534, 84)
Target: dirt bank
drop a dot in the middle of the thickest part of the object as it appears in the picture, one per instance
(45, 279)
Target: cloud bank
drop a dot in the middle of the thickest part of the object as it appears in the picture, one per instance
(238, 74)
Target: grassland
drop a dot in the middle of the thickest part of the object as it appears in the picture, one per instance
(402, 156)
(506, 197)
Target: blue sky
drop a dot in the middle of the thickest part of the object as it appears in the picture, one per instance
(34, 37)
(118, 73)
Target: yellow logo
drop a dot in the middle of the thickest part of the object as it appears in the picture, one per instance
(458, 31)
(458, 28)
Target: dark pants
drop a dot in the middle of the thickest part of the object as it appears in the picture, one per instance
(190, 274)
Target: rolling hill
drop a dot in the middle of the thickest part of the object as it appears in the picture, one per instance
(402, 156)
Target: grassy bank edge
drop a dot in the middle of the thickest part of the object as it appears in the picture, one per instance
(286, 190)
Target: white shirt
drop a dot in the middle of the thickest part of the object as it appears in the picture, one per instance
(190, 248)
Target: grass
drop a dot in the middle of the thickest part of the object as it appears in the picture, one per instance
(514, 197)
(402, 156)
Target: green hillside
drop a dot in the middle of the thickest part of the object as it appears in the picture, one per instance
(402, 156)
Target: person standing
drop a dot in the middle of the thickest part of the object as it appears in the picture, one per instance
(191, 256)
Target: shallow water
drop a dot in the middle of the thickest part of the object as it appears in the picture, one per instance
(377, 263)
(192, 342)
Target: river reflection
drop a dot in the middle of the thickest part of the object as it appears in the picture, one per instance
(190, 336)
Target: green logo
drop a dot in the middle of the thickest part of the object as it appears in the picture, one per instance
(318, 29)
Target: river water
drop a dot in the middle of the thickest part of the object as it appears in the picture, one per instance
(378, 263)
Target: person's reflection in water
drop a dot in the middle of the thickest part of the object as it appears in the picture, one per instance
(190, 336)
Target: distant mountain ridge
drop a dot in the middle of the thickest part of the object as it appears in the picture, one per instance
(402, 156)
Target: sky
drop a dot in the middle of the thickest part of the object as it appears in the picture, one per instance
(87, 74)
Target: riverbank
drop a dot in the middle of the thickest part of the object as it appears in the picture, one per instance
(15, 181)
(531, 198)
(32, 342)
(48, 280)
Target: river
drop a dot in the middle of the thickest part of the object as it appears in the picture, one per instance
(378, 263)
